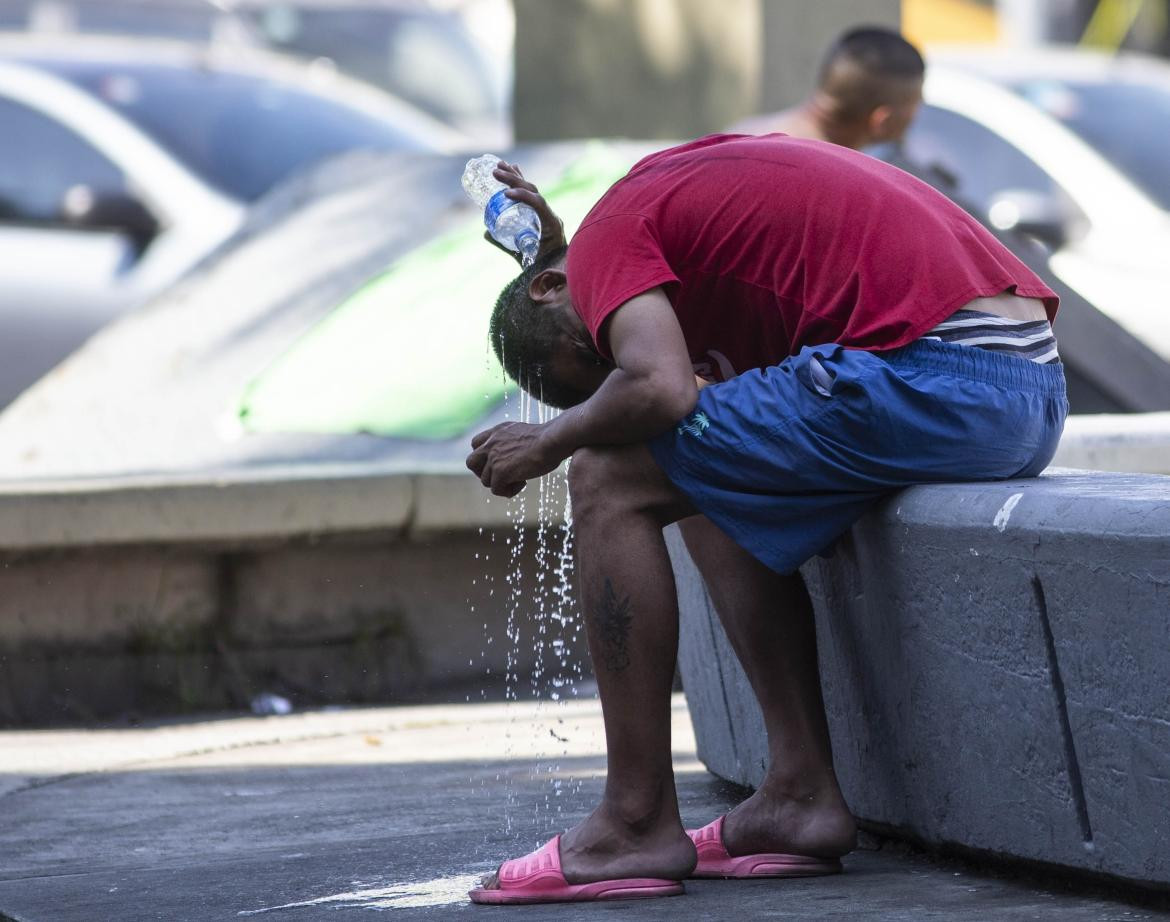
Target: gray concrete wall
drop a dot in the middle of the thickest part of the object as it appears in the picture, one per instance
(996, 666)
(146, 597)
(113, 632)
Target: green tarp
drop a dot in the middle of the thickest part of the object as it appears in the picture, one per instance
(407, 354)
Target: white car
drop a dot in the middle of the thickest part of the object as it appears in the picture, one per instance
(1073, 147)
(123, 164)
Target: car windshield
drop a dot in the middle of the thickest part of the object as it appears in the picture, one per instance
(1126, 121)
(242, 133)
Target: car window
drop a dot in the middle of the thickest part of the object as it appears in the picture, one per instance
(981, 163)
(420, 56)
(1127, 122)
(432, 67)
(41, 161)
(186, 19)
(241, 132)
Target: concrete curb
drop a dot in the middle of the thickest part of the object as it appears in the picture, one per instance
(1133, 442)
(995, 668)
(276, 503)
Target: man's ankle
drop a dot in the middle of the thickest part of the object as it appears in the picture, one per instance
(641, 812)
(812, 788)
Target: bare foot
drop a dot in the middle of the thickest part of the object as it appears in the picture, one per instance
(605, 848)
(817, 824)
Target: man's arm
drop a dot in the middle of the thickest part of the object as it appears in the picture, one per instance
(652, 387)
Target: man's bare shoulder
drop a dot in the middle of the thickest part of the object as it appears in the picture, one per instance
(794, 122)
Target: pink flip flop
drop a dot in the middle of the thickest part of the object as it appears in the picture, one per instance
(715, 862)
(537, 878)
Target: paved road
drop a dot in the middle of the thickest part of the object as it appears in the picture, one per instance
(330, 815)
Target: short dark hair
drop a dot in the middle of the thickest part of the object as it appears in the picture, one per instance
(525, 334)
(878, 57)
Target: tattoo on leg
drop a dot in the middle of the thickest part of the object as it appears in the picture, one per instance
(614, 620)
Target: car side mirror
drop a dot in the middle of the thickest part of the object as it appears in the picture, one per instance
(1028, 212)
(117, 211)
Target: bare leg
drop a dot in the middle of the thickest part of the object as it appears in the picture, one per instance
(621, 502)
(769, 620)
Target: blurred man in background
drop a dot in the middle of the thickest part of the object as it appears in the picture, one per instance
(868, 91)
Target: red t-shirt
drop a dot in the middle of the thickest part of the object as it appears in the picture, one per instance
(768, 244)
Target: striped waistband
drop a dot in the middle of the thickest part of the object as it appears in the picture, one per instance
(1027, 339)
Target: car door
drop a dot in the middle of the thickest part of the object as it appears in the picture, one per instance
(992, 176)
(62, 275)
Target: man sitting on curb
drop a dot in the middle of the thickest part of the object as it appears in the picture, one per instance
(863, 334)
(868, 91)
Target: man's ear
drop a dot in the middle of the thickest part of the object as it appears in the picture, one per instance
(546, 284)
(880, 122)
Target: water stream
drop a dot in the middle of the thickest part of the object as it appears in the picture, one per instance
(540, 618)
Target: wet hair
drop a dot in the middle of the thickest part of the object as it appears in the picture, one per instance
(868, 67)
(524, 335)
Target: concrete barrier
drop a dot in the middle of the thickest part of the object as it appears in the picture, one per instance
(996, 667)
(342, 583)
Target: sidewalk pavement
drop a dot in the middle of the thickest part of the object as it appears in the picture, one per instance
(331, 814)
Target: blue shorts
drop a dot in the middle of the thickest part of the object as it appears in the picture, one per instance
(786, 459)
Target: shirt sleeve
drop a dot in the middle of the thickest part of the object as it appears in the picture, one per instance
(610, 261)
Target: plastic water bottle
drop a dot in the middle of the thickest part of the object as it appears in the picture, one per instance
(513, 225)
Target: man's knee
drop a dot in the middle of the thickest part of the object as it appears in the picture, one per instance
(621, 480)
(594, 482)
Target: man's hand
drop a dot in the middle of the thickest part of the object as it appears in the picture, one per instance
(552, 229)
(507, 456)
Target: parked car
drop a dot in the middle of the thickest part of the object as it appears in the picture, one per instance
(433, 55)
(124, 164)
(1072, 147)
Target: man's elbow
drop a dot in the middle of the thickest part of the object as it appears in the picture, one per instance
(676, 400)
